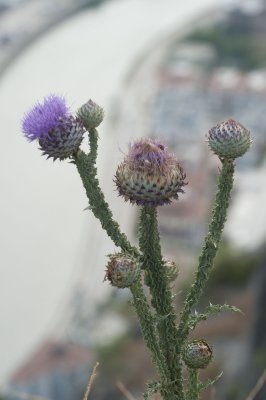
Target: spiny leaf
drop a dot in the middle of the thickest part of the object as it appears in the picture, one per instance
(211, 309)
(210, 382)
(215, 308)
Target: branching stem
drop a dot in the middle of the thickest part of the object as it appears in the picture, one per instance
(85, 164)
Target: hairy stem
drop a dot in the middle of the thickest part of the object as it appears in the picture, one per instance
(85, 164)
(157, 281)
(147, 324)
(193, 385)
(210, 247)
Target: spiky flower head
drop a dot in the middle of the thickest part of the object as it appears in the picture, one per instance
(63, 140)
(197, 354)
(122, 270)
(149, 174)
(229, 139)
(90, 114)
(59, 134)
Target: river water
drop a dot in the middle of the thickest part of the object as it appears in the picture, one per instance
(47, 241)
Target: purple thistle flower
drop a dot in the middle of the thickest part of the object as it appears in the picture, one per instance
(59, 133)
(64, 140)
(44, 117)
(147, 154)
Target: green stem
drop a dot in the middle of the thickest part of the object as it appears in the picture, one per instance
(157, 281)
(147, 320)
(100, 208)
(210, 248)
(93, 142)
(193, 384)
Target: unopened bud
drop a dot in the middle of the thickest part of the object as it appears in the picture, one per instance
(229, 139)
(90, 114)
(197, 354)
(122, 270)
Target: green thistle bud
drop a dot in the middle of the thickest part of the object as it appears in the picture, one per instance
(90, 114)
(229, 139)
(197, 354)
(122, 270)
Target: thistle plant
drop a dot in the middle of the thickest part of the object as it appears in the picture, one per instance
(149, 177)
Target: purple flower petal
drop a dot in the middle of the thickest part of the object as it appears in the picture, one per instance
(44, 116)
(148, 153)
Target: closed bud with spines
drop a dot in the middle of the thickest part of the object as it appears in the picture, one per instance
(122, 270)
(149, 174)
(229, 139)
(90, 114)
(197, 354)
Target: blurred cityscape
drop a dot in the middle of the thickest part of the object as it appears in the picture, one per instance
(177, 91)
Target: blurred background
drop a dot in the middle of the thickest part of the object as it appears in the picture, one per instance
(167, 69)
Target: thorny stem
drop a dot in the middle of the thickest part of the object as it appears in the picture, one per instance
(147, 321)
(193, 385)
(156, 279)
(210, 247)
